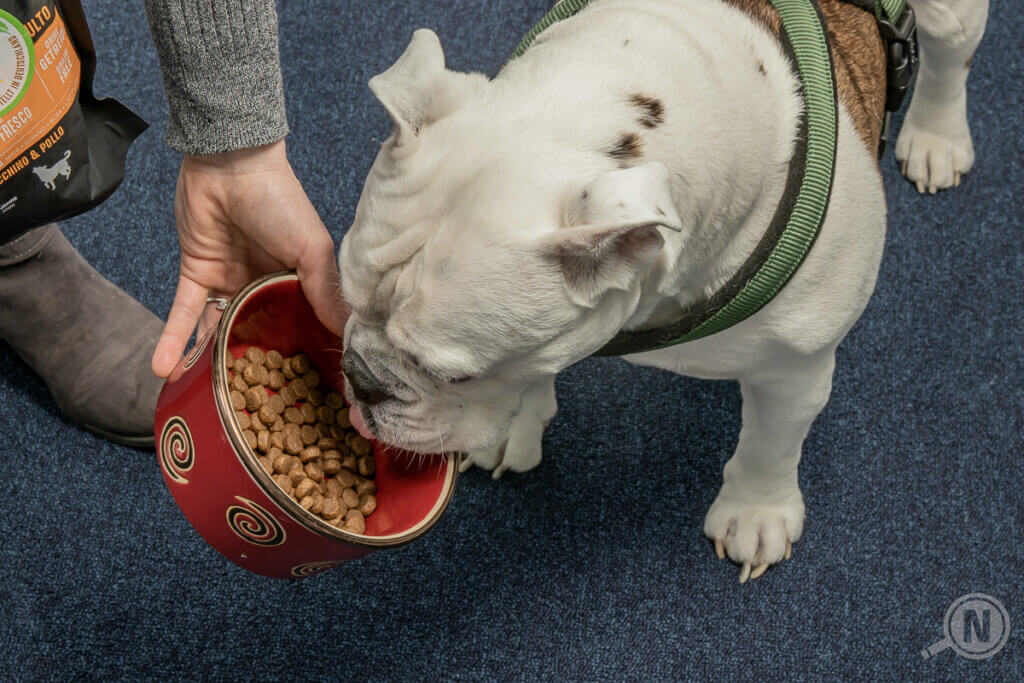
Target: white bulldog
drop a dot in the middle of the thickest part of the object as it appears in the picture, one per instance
(622, 168)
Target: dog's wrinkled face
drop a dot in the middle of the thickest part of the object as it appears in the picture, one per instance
(475, 267)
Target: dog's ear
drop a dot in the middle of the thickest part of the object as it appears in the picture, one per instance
(612, 235)
(418, 89)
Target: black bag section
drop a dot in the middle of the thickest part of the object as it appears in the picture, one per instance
(62, 150)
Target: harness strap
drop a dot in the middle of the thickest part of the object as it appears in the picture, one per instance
(893, 9)
(562, 10)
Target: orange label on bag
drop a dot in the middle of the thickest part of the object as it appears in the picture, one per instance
(39, 75)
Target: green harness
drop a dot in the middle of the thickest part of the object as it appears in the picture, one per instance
(801, 211)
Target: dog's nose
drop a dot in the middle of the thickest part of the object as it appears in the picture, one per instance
(365, 385)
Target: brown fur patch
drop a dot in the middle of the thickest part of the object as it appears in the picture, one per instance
(967, 64)
(858, 56)
(652, 110)
(629, 146)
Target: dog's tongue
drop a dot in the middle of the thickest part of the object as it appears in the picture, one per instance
(356, 415)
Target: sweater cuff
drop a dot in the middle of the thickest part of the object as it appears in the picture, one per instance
(222, 73)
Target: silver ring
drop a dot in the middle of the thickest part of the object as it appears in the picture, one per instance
(221, 302)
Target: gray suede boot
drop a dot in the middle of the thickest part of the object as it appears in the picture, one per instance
(89, 341)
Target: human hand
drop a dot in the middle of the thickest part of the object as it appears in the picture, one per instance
(240, 215)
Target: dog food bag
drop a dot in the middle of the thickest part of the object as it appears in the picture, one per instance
(62, 150)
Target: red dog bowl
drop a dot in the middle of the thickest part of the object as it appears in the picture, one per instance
(220, 486)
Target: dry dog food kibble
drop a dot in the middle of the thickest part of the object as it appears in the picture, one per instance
(302, 436)
(309, 435)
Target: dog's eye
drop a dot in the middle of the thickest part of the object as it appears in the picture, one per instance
(414, 361)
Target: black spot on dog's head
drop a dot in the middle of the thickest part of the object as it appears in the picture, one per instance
(652, 111)
(760, 67)
(628, 147)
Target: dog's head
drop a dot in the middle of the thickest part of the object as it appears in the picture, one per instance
(483, 258)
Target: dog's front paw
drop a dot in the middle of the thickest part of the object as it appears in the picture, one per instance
(934, 154)
(517, 455)
(755, 534)
(485, 460)
(522, 450)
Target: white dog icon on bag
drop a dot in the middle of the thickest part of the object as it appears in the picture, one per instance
(48, 174)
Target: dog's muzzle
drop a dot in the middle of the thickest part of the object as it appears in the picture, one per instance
(365, 385)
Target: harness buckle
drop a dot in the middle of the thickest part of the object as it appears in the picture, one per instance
(901, 56)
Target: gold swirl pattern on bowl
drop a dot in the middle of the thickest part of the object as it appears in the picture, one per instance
(251, 522)
(311, 568)
(177, 449)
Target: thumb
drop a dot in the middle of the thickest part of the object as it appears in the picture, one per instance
(185, 313)
(321, 283)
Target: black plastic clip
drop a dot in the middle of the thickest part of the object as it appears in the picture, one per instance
(902, 56)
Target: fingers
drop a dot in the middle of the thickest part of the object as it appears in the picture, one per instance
(188, 306)
(318, 274)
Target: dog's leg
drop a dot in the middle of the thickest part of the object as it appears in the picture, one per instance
(522, 450)
(934, 145)
(759, 511)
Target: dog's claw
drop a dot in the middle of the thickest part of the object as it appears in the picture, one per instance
(758, 571)
(956, 179)
(789, 550)
(465, 464)
(719, 549)
(745, 572)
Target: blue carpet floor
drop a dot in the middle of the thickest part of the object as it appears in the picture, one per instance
(593, 566)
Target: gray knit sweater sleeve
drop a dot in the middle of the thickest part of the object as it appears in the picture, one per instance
(222, 73)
